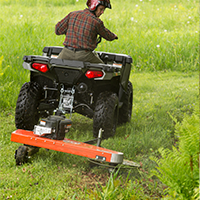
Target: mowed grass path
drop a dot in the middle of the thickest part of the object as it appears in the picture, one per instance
(53, 174)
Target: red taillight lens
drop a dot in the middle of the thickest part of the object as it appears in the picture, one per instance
(93, 74)
(40, 67)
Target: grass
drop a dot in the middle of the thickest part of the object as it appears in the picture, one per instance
(159, 35)
(157, 97)
(162, 38)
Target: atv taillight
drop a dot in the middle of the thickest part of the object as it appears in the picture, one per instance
(93, 74)
(40, 67)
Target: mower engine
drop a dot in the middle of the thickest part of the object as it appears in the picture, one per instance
(53, 127)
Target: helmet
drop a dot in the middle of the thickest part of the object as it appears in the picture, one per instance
(93, 4)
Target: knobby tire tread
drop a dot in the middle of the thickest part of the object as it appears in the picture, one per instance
(27, 115)
(105, 115)
(125, 111)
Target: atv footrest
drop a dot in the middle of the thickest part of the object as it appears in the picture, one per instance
(67, 146)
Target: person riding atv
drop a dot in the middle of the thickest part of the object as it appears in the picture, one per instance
(72, 79)
(81, 29)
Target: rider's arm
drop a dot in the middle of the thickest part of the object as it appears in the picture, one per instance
(105, 33)
(61, 27)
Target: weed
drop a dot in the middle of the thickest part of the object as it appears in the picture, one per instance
(178, 168)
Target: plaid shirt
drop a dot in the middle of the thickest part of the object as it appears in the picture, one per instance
(81, 29)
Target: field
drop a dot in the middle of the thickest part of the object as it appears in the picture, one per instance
(163, 39)
(158, 35)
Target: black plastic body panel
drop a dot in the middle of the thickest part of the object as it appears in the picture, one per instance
(67, 63)
(68, 76)
(52, 50)
(36, 58)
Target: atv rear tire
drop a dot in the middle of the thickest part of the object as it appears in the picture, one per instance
(125, 111)
(27, 114)
(105, 115)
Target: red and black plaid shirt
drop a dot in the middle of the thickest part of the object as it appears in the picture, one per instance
(81, 29)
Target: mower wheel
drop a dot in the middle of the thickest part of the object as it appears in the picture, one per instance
(125, 111)
(105, 115)
(27, 114)
(21, 155)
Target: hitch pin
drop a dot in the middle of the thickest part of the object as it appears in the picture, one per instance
(99, 137)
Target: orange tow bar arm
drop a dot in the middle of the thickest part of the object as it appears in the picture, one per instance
(67, 146)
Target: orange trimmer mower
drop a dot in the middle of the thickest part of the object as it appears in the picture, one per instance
(50, 134)
(99, 91)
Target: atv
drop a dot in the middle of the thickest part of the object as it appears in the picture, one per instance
(99, 91)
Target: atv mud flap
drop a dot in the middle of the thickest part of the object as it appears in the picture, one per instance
(68, 146)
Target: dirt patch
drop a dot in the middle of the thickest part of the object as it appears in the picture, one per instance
(91, 180)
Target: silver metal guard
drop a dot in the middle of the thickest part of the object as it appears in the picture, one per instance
(117, 158)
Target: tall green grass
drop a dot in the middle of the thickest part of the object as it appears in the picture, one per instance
(159, 35)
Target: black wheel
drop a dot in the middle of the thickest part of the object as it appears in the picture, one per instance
(125, 111)
(21, 155)
(105, 115)
(27, 114)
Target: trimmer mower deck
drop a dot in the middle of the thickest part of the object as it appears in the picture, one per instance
(67, 146)
(95, 153)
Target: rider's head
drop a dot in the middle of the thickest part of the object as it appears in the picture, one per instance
(97, 6)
